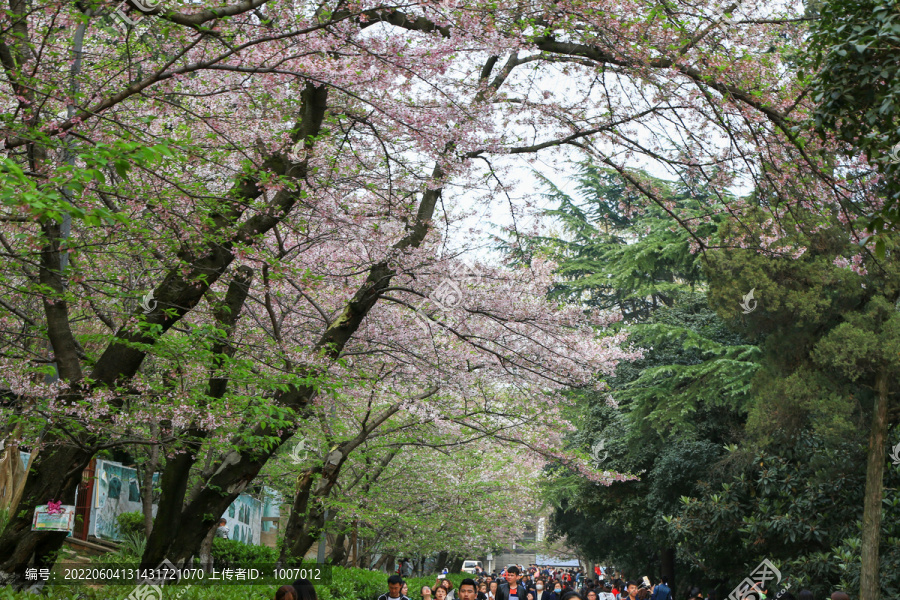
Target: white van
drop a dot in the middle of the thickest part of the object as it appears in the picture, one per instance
(469, 566)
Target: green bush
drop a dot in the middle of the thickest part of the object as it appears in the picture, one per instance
(234, 554)
(131, 523)
(353, 584)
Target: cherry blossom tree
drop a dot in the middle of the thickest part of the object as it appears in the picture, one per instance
(217, 217)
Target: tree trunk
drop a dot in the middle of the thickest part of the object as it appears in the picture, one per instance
(338, 551)
(354, 545)
(206, 559)
(419, 565)
(174, 480)
(313, 486)
(456, 564)
(308, 511)
(442, 557)
(870, 588)
(380, 563)
(202, 513)
(147, 482)
(57, 480)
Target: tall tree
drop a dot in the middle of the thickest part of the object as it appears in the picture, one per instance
(677, 404)
(819, 313)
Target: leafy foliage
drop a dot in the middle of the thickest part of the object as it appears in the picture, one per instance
(615, 250)
(789, 504)
(131, 523)
(232, 553)
(854, 52)
(679, 403)
(132, 545)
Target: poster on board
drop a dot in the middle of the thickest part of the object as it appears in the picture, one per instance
(57, 521)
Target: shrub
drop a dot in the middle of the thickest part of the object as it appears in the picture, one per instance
(234, 554)
(131, 523)
(353, 584)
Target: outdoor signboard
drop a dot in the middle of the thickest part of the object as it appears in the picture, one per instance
(59, 521)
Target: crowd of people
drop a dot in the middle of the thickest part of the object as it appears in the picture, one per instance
(515, 583)
(534, 583)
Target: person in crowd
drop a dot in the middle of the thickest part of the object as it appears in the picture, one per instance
(404, 589)
(305, 589)
(631, 590)
(571, 595)
(395, 583)
(695, 593)
(425, 592)
(439, 592)
(468, 589)
(521, 579)
(483, 591)
(557, 591)
(662, 591)
(222, 529)
(448, 585)
(286, 592)
(643, 594)
(493, 586)
(540, 591)
(591, 595)
(511, 589)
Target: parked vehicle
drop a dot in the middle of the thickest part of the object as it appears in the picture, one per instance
(468, 566)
